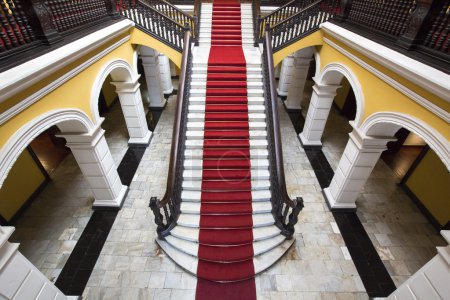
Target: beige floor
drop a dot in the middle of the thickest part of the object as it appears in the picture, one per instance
(403, 237)
(131, 265)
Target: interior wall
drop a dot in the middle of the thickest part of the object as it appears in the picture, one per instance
(22, 182)
(109, 91)
(342, 93)
(430, 182)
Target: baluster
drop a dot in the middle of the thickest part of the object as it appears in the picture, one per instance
(5, 32)
(10, 27)
(443, 33)
(22, 21)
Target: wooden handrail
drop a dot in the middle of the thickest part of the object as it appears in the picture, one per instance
(177, 122)
(297, 14)
(276, 122)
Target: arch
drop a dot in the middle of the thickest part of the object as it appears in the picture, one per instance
(317, 60)
(387, 123)
(68, 120)
(120, 71)
(333, 73)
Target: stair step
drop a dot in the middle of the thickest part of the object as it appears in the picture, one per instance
(226, 174)
(226, 100)
(226, 108)
(226, 134)
(203, 69)
(224, 253)
(227, 236)
(260, 262)
(226, 208)
(225, 186)
(218, 144)
(224, 164)
(225, 221)
(227, 153)
(237, 125)
(226, 197)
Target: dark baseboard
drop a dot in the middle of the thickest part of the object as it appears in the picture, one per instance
(423, 209)
(27, 203)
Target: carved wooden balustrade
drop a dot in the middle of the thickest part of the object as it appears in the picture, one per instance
(277, 16)
(154, 22)
(304, 22)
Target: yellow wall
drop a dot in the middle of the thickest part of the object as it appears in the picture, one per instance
(109, 91)
(380, 96)
(23, 180)
(314, 39)
(342, 93)
(430, 183)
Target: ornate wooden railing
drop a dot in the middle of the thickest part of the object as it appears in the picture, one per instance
(167, 210)
(171, 11)
(303, 23)
(288, 9)
(284, 210)
(29, 24)
(154, 23)
(438, 36)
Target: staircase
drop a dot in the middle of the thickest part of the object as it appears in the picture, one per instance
(226, 230)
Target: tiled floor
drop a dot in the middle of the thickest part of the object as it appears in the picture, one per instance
(317, 266)
(50, 228)
(403, 237)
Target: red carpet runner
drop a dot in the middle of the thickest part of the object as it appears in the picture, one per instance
(226, 236)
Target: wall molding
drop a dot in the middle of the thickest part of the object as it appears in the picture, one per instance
(419, 73)
(22, 105)
(74, 119)
(441, 113)
(432, 137)
(352, 79)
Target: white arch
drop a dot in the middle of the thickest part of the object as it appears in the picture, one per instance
(120, 71)
(317, 60)
(387, 123)
(327, 77)
(68, 120)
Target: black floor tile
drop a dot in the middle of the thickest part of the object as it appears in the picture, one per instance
(78, 268)
(373, 273)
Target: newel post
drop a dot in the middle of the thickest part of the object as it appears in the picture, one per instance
(41, 20)
(420, 21)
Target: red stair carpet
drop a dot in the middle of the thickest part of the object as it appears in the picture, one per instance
(225, 268)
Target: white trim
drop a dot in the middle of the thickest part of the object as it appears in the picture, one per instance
(22, 105)
(107, 68)
(421, 74)
(317, 59)
(27, 74)
(431, 136)
(352, 79)
(28, 132)
(395, 84)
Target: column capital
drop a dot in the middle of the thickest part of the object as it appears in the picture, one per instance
(84, 140)
(127, 87)
(368, 143)
(324, 89)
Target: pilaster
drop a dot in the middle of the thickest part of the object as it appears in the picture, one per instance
(150, 62)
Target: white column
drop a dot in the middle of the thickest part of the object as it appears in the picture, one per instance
(297, 87)
(150, 62)
(133, 110)
(286, 73)
(318, 111)
(356, 164)
(19, 278)
(166, 77)
(96, 163)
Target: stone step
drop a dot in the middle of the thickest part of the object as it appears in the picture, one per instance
(251, 100)
(257, 207)
(193, 108)
(254, 144)
(198, 84)
(192, 234)
(199, 92)
(256, 185)
(198, 153)
(254, 135)
(256, 174)
(193, 221)
(195, 196)
(197, 164)
(252, 117)
(200, 126)
(203, 77)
